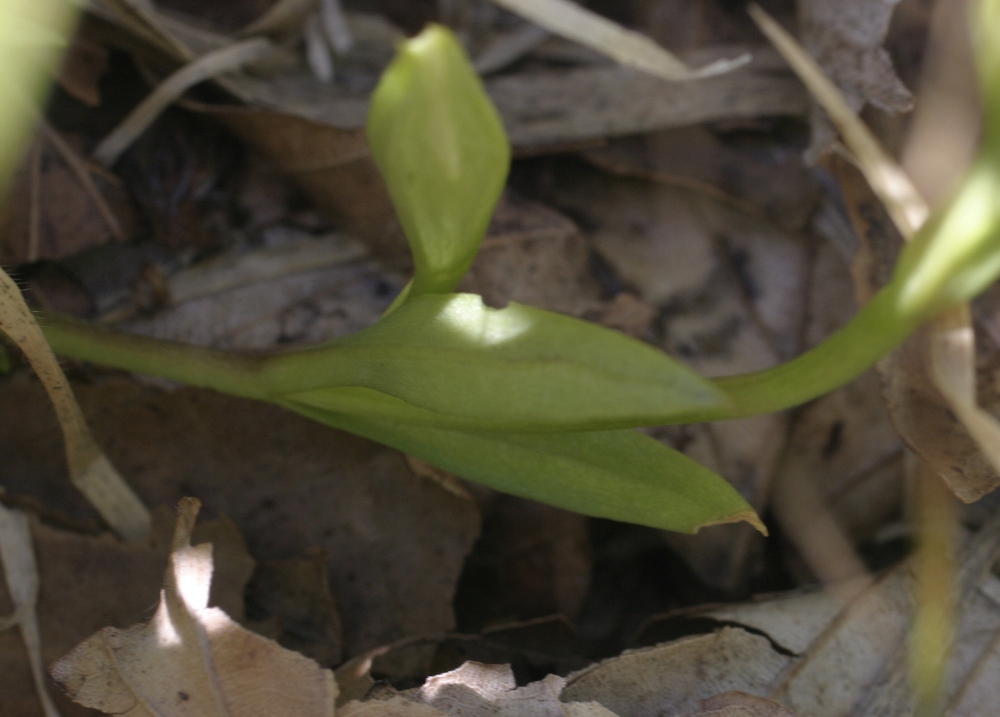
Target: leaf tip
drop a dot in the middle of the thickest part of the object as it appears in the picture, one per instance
(748, 515)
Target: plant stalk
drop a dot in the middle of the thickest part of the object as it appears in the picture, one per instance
(875, 330)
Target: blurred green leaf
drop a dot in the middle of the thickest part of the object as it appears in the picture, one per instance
(443, 153)
(451, 361)
(622, 475)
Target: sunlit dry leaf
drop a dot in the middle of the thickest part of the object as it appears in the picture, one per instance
(190, 659)
(478, 690)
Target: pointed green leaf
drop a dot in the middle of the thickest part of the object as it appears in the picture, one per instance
(443, 153)
(451, 361)
(622, 475)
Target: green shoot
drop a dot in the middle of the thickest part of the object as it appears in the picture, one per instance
(443, 153)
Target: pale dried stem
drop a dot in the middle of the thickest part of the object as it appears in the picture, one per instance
(90, 470)
(21, 575)
(626, 47)
(171, 89)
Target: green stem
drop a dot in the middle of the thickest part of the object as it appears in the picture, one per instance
(876, 330)
(228, 371)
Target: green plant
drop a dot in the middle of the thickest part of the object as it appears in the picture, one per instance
(525, 400)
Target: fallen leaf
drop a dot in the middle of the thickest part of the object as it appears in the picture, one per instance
(534, 255)
(84, 62)
(730, 287)
(774, 182)
(190, 658)
(839, 658)
(58, 204)
(303, 293)
(548, 109)
(675, 677)
(846, 39)
(478, 690)
(741, 704)
(920, 413)
(532, 560)
(392, 540)
(532, 648)
(627, 47)
(296, 593)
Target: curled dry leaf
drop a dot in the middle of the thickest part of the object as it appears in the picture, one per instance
(191, 659)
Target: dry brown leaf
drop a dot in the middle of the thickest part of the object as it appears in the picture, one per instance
(532, 560)
(88, 582)
(83, 63)
(845, 659)
(549, 109)
(394, 543)
(675, 677)
(776, 184)
(730, 286)
(741, 704)
(192, 659)
(846, 39)
(534, 255)
(308, 306)
(532, 648)
(296, 593)
(919, 411)
(944, 350)
(478, 690)
(59, 205)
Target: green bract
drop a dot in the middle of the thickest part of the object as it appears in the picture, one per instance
(443, 153)
(450, 361)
